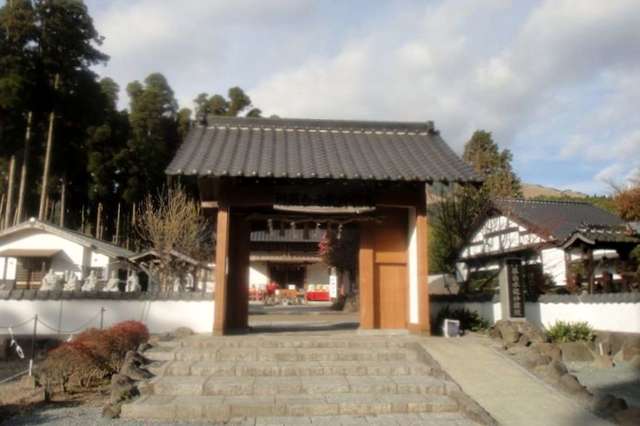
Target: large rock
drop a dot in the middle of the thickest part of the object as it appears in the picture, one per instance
(602, 361)
(572, 385)
(552, 372)
(532, 359)
(533, 333)
(608, 405)
(549, 349)
(628, 417)
(576, 352)
(112, 411)
(508, 332)
(182, 332)
(122, 389)
(630, 347)
(132, 368)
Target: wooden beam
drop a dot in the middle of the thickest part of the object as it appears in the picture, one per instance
(222, 250)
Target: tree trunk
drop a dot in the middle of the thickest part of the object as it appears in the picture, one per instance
(23, 171)
(63, 196)
(9, 208)
(117, 237)
(47, 157)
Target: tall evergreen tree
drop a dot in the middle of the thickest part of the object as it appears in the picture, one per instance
(236, 103)
(493, 165)
(154, 136)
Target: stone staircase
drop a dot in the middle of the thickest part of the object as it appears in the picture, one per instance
(296, 379)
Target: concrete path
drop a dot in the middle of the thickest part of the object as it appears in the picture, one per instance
(507, 391)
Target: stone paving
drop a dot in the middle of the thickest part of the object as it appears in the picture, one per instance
(299, 378)
(509, 393)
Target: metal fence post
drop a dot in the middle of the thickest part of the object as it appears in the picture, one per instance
(102, 309)
(33, 344)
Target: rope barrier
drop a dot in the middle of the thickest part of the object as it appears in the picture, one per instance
(17, 325)
(75, 330)
(37, 320)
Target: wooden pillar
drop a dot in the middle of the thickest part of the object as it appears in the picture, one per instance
(366, 277)
(237, 309)
(222, 249)
(422, 229)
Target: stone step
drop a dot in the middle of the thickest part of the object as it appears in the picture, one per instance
(288, 343)
(259, 386)
(294, 354)
(161, 353)
(225, 408)
(279, 369)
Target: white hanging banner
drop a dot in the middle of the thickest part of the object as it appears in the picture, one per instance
(333, 286)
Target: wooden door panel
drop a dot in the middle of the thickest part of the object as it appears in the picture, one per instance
(392, 293)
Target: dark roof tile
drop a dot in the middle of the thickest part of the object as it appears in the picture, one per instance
(326, 149)
(559, 219)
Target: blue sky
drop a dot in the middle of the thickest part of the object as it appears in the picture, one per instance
(556, 81)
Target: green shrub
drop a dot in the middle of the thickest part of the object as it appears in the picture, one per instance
(562, 332)
(469, 320)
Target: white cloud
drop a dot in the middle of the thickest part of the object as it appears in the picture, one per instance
(558, 77)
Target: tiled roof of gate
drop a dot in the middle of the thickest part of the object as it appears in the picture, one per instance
(559, 219)
(319, 149)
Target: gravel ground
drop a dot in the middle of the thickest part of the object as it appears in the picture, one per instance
(82, 415)
(622, 381)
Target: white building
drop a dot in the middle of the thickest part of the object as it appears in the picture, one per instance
(29, 250)
(551, 237)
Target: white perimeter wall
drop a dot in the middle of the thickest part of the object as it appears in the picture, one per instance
(620, 317)
(159, 316)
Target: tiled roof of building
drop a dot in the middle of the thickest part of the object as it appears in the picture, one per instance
(318, 149)
(558, 219)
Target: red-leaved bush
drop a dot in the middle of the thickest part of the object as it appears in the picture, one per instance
(93, 355)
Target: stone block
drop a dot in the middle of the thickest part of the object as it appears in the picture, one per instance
(229, 386)
(254, 406)
(179, 385)
(277, 385)
(155, 407)
(325, 385)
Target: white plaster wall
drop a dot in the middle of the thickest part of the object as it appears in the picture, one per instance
(618, 317)
(413, 268)
(317, 273)
(483, 243)
(258, 274)
(553, 263)
(43, 241)
(159, 316)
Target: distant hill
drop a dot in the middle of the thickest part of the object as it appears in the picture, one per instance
(531, 190)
